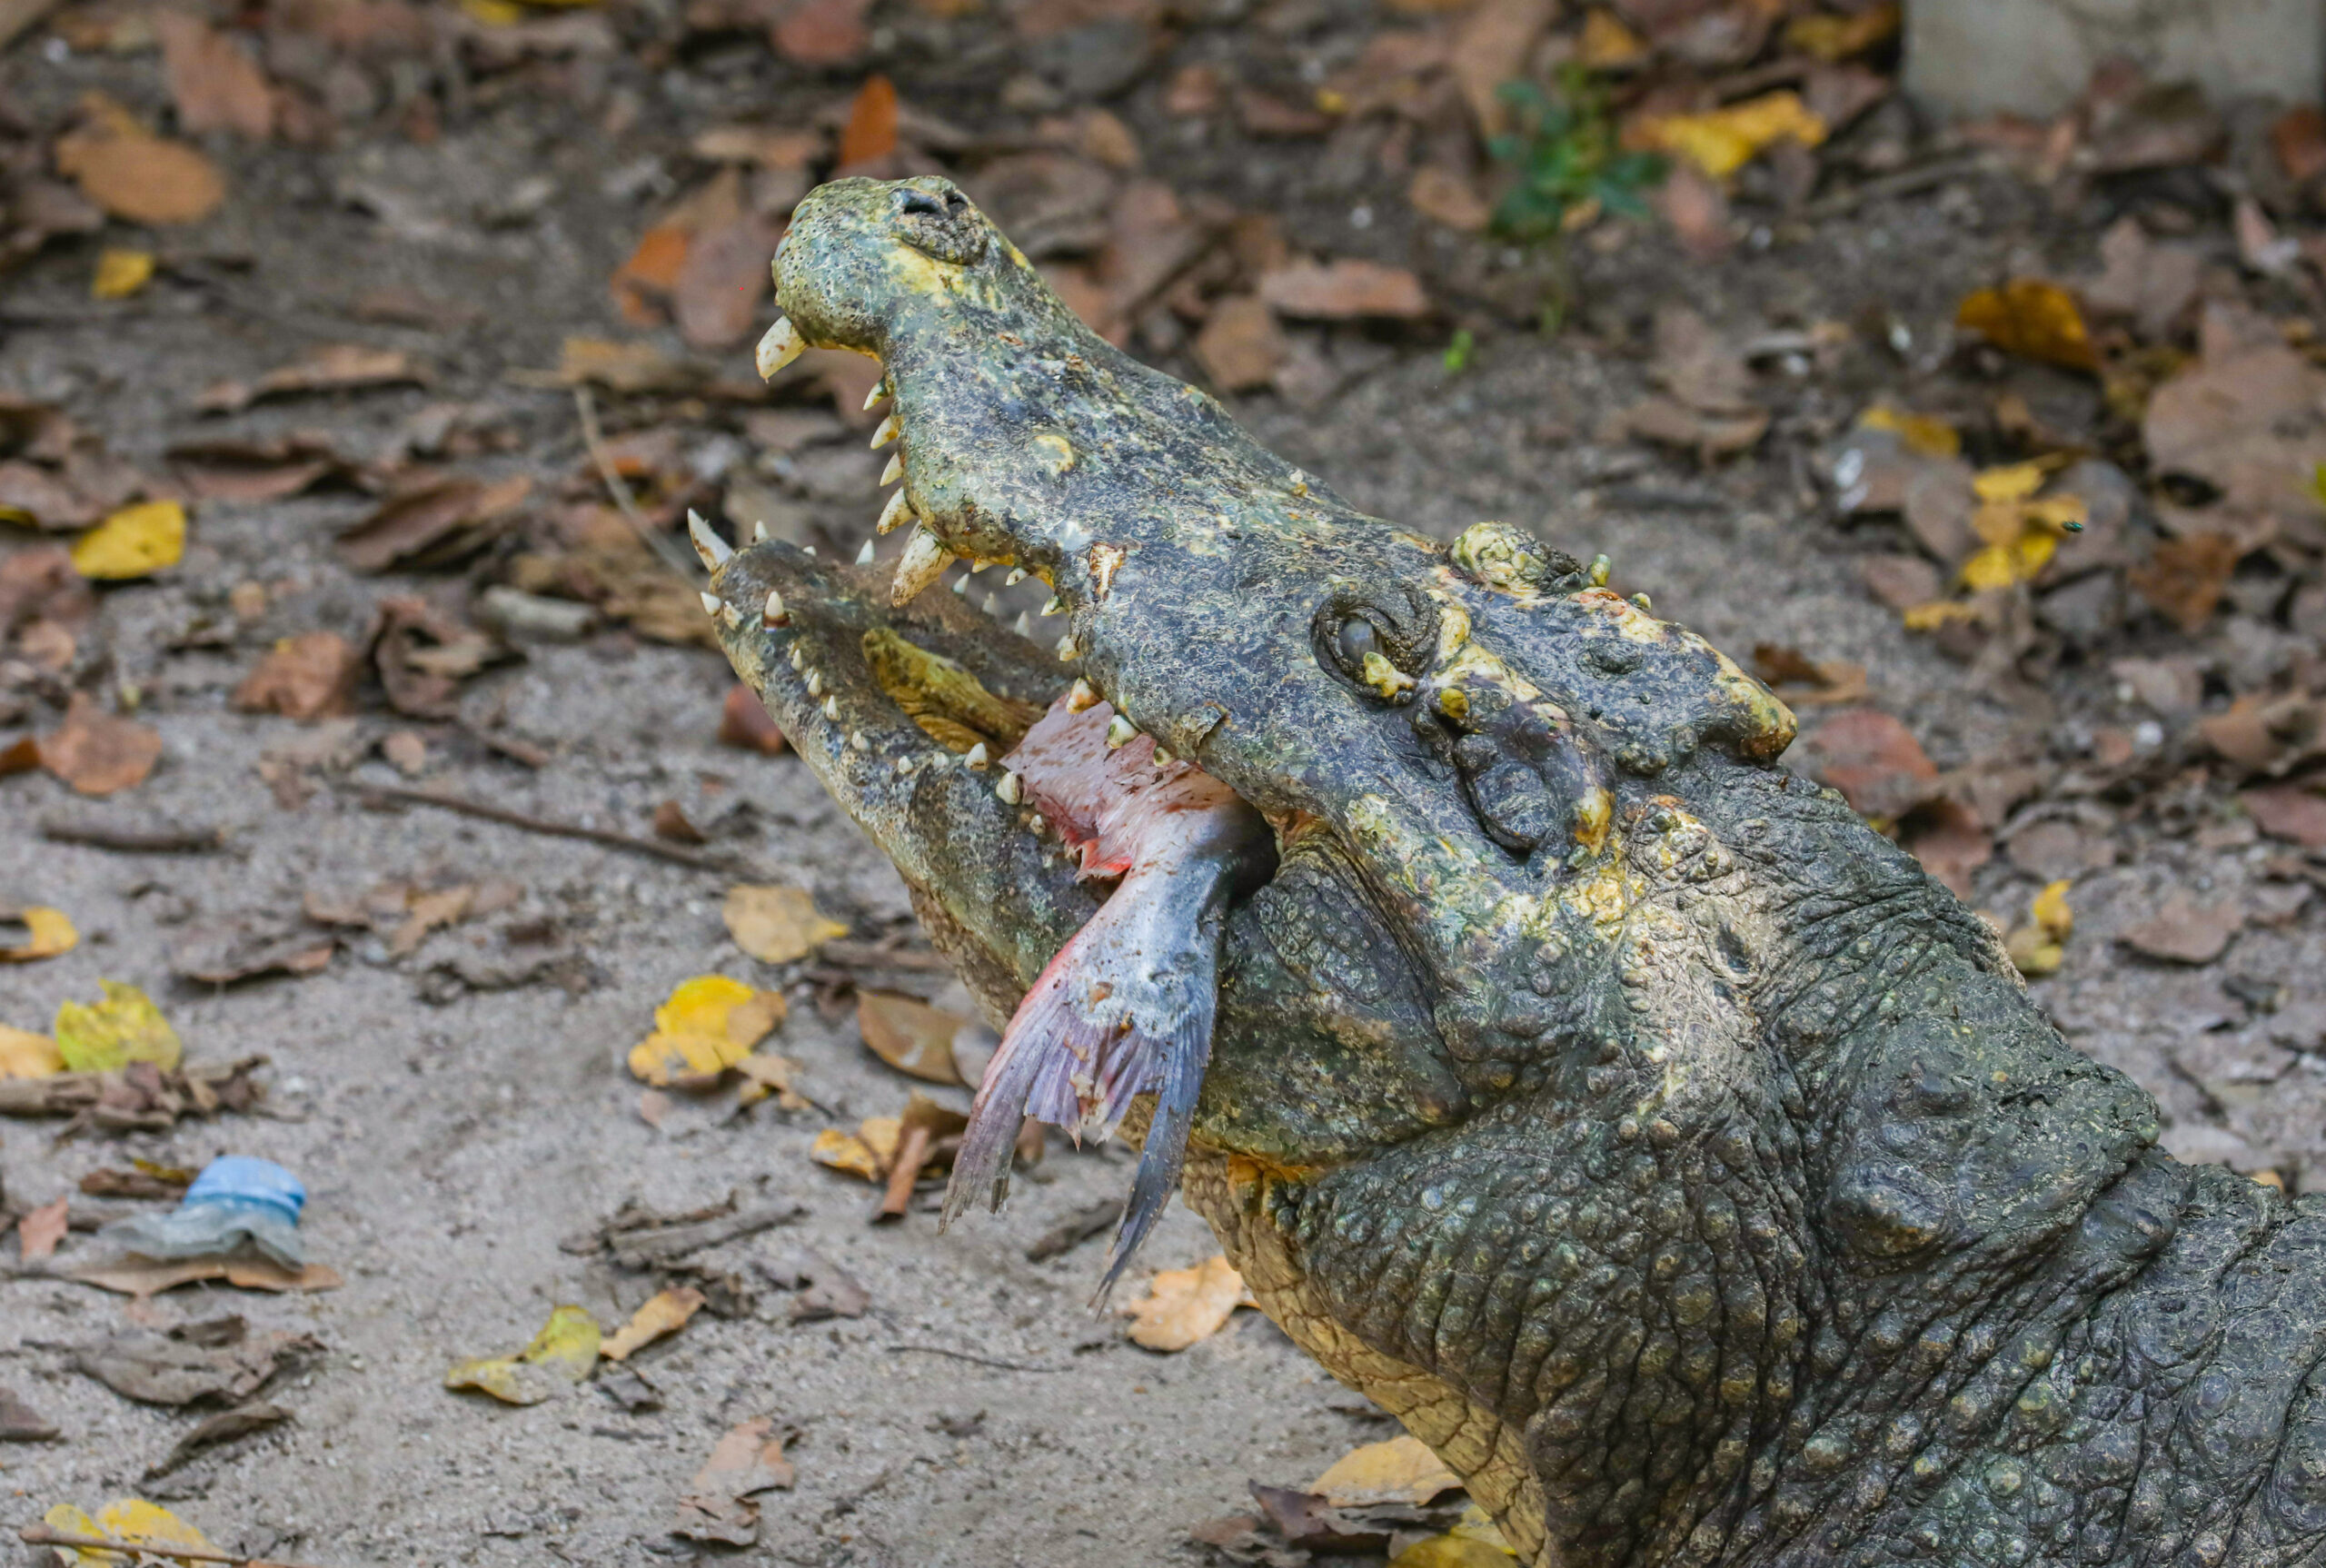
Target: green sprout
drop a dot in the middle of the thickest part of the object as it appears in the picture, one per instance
(1570, 164)
(1458, 352)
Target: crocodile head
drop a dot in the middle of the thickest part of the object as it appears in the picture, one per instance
(1613, 1106)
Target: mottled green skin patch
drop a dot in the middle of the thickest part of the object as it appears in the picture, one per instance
(1656, 1140)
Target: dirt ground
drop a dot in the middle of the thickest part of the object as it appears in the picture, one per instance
(458, 1109)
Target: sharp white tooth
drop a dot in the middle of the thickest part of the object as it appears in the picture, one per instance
(1017, 575)
(1121, 732)
(864, 556)
(712, 602)
(1024, 625)
(1056, 606)
(807, 550)
(815, 683)
(1009, 790)
(759, 531)
(978, 565)
(1163, 759)
(1036, 822)
(799, 657)
(961, 585)
(992, 603)
(979, 757)
(885, 432)
(895, 513)
(1067, 652)
(779, 348)
(715, 552)
(774, 614)
(894, 471)
(856, 742)
(729, 617)
(1081, 695)
(873, 399)
(923, 562)
(831, 707)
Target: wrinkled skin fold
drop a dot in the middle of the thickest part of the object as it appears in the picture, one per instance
(1656, 1140)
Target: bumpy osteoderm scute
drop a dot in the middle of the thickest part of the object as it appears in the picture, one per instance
(1620, 1111)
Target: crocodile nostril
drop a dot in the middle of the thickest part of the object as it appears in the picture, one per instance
(919, 203)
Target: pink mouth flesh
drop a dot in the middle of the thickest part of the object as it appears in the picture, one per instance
(1126, 1006)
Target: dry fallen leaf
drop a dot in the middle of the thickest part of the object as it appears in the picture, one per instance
(870, 132)
(561, 1355)
(217, 85)
(910, 1035)
(40, 1229)
(777, 925)
(142, 1279)
(2290, 812)
(2187, 932)
(436, 524)
(2032, 319)
(128, 1520)
(1722, 141)
(2040, 946)
(864, 1153)
(709, 1024)
(2184, 577)
(1401, 1470)
(97, 753)
(717, 1505)
(1345, 290)
(126, 1026)
(25, 1055)
(744, 724)
(139, 176)
(1185, 1306)
(120, 272)
(307, 677)
(136, 542)
(1240, 345)
(47, 933)
(665, 1312)
(1835, 38)
(1874, 760)
(334, 367)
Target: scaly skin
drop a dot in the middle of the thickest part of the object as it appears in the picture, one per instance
(1654, 1138)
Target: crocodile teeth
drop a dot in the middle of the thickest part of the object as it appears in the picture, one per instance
(1024, 625)
(923, 562)
(729, 617)
(895, 513)
(759, 531)
(1082, 695)
(961, 585)
(782, 345)
(977, 564)
(831, 707)
(864, 556)
(1163, 759)
(1600, 567)
(856, 742)
(887, 431)
(873, 399)
(1009, 790)
(799, 657)
(712, 602)
(992, 604)
(1067, 652)
(1017, 575)
(1121, 732)
(715, 552)
(815, 683)
(894, 471)
(979, 757)
(1056, 606)
(774, 614)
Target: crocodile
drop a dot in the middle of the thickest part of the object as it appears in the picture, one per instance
(1615, 1107)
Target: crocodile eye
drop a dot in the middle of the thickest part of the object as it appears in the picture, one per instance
(1357, 638)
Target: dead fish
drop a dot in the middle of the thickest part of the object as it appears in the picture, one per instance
(1126, 1006)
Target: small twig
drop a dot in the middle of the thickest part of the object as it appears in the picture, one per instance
(666, 549)
(912, 1152)
(1904, 182)
(551, 826)
(41, 1535)
(134, 840)
(965, 1356)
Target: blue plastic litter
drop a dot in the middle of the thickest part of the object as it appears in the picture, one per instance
(236, 1201)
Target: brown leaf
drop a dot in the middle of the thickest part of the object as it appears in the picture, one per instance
(1308, 1523)
(870, 132)
(1696, 206)
(40, 1229)
(910, 1035)
(2150, 283)
(1900, 581)
(1446, 195)
(670, 822)
(2266, 734)
(307, 677)
(1344, 290)
(261, 470)
(1488, 45)
(717, 1505)
(141, 1279)
(336, 367)
(1669, 421)
(197, 1362)
(1401, 1469)
(1697, 365)
(422, 654)
(19, 1421)
(98, 753)
(226, 1426)
(2249, 420)
(427, 912)
(2288, 811)
(1802, 680)
(1950, 841)
(776, 925)
(436, 525)
(744, 724)
(1185, 1306)
(823, 33)
(624, 367)
(664, 1312)
(1240, 345)
(141, 177)
(721, 284)
(2298, 137)
(1873, 761)
(2187, 932)
(216, 84)
(249, 946)
(2184, 577)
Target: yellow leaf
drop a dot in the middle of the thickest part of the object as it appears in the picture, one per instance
(845, 1152)
(1185, 1306)
(1925, 433)
(1937, 613)
(1836, 38)
(136, 542)
(2012, 482)
(24, 1054)
(709, 1024)
(1452, 1550)
(493, 13)
(766, 1073)
(1401, 1469)
(666, 1312)
(1722, 141)
(2032, 319)
(777, 925)
(51, 931)
(2060, 513)
(128, 1520)
(2001, 565)
(1607, 45)
(2032, 954)
(561, 1354)
(120, 273)
(2051, 911)
(125, 1027)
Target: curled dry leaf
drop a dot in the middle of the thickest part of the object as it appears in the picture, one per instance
(336, 367)
(744, 724)
(1873, 761)
(2040, 946)
(1344, 290)
(123, 1027)
(871, 131)
(1401, 1470)
(665, 1313)
(120, 272)
(128, 1520)
(97, 753)
(777, 925)
(709, 1024)
(216, 1361)
(2032, 319)
(2290, 812)
(47, 933)
(307, 677)
(561, 1355)
(141, 1279)
(2187, 932)
(717, 1505)
(136, 176)
(1722, 141)
(1185, 1306)
(435, 525)
(1240, 346)
(25, 1055)
(40, 1229)
(910, 1035)
(865, 1153)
